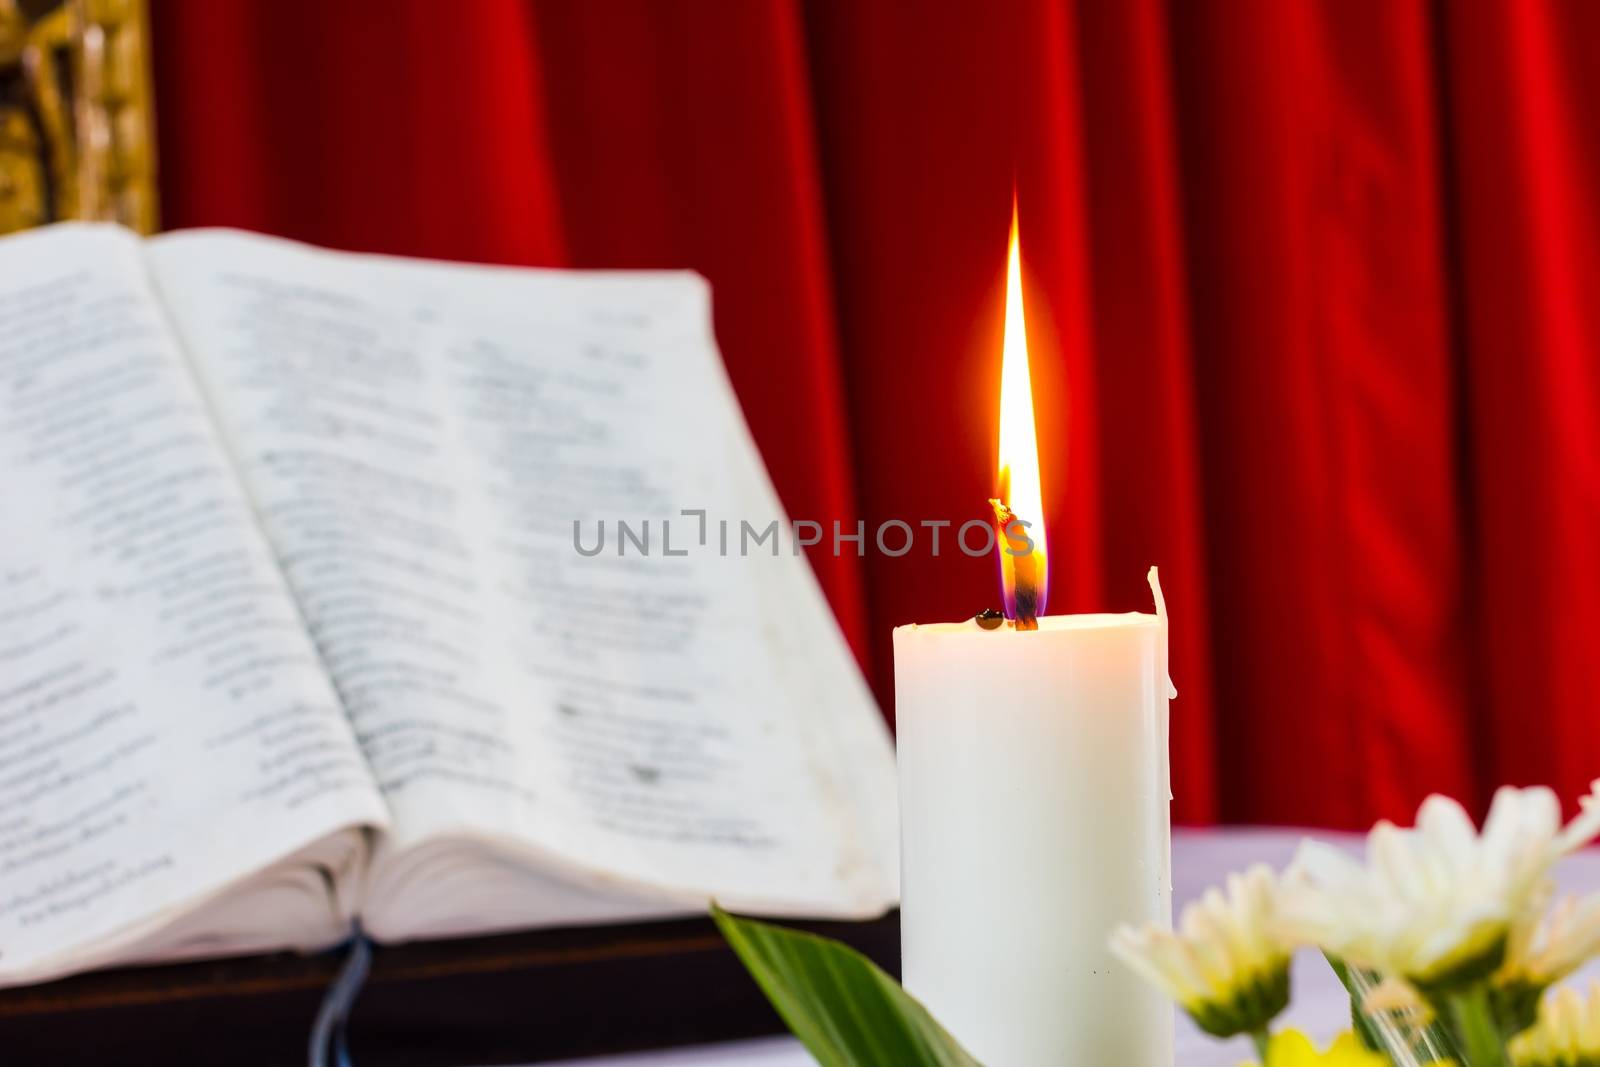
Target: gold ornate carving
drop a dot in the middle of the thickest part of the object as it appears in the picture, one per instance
(77, 138)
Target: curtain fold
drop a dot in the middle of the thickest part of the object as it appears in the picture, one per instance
(1525, 124)
(367, 125)
(1306, 299)
(1312, 177)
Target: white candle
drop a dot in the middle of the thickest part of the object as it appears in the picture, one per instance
(1034, 819)
(1033, 795)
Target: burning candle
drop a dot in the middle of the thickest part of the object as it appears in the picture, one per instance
(1034, 795)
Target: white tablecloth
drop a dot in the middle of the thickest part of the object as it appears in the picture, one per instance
(1199, 859)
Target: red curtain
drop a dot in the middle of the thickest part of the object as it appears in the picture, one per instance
(1308, 294)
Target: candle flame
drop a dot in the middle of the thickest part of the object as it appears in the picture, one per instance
(1019, 499)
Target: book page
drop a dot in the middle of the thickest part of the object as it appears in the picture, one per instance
(419, 440)
(166, 729)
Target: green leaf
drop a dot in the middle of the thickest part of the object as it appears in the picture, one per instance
(1392, 1033)
(843, 1007)
(1360, 1021)
(1472, 1024)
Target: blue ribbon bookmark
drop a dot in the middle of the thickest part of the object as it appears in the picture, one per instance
(328, 1047)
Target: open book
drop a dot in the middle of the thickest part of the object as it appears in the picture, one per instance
(294, 629)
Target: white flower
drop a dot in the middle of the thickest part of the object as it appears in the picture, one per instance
(1567, 1033)
(1542, 949)
(1436, 904)
(1541, 953)
(1227, 964)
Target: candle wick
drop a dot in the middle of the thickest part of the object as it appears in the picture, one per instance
(1021, 573)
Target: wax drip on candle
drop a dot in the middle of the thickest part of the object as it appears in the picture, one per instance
(989, 619)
